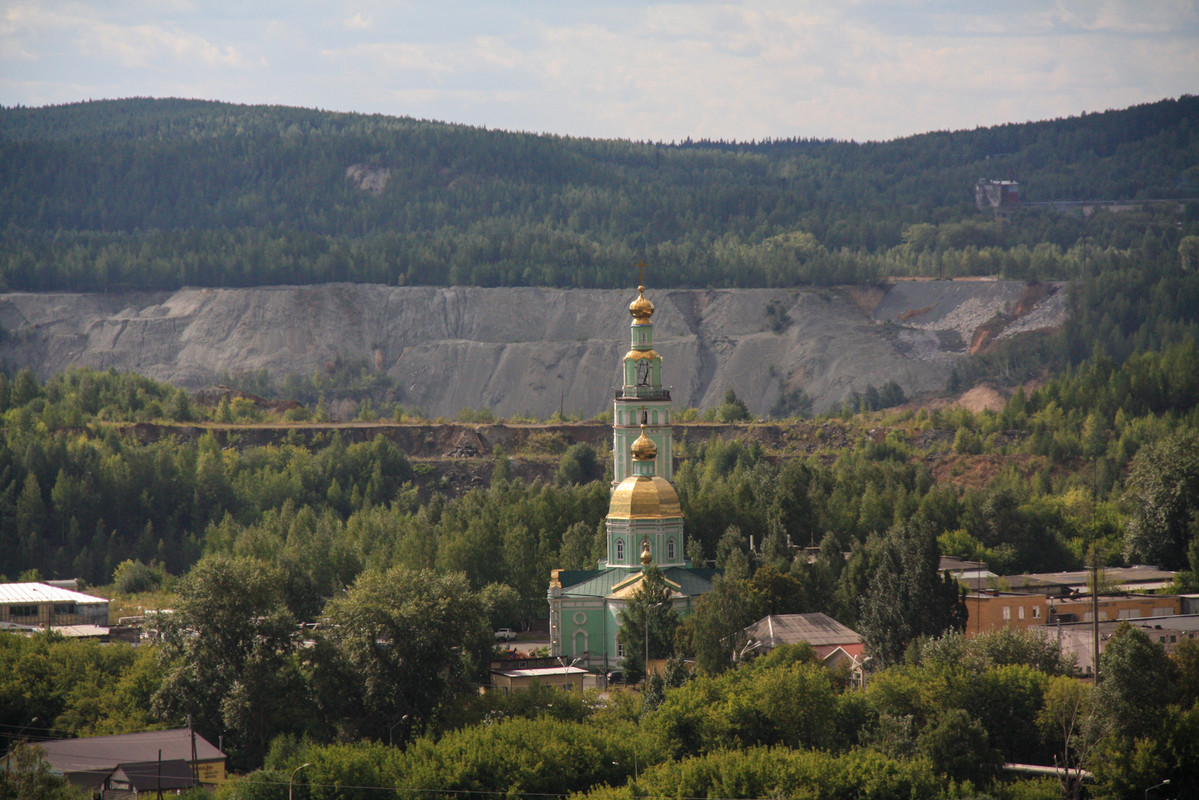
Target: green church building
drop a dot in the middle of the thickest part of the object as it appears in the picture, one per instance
(644, 522)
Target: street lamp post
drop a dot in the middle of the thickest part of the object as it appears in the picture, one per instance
(13, 738)
(292, 779)
(1156, 786)
(391, 730)
(566, 675)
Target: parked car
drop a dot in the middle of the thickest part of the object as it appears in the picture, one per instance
(504, 635)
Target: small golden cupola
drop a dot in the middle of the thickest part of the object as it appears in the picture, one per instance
(644, 448)
(646, 557)
(641, 309)
(644, 495)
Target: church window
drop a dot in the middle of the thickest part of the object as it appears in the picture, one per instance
(620, 549)
(670, 549)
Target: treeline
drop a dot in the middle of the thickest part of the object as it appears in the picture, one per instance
(495, 252)
(140, 194)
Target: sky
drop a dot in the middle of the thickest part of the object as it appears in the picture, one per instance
(647, 71)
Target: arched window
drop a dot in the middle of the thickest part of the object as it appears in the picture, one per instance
(620, 550)
(670, 549)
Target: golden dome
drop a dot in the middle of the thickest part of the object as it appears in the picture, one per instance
(646, 558)
(641, 309)
(644, 448)
(644, 497)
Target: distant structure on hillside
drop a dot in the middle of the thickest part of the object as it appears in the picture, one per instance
(33, 606)
(644, 523)
(1000, 196)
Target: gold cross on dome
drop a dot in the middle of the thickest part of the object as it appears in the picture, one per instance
(641, 265)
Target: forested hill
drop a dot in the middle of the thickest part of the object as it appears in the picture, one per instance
(158, 194)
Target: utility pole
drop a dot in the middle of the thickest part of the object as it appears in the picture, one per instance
(191, 732)
(1095, 611)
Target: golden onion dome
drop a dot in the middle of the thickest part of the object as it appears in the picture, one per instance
(644, 448)
(641, 309)
(646, 557)
(644, 497)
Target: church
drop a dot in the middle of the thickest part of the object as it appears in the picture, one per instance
(644, 523)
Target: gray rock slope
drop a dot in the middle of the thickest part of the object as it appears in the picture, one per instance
(525, 350)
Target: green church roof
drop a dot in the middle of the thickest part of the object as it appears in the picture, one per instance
(599, 583)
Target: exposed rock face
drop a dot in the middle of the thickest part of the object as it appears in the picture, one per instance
(367, 178)
(529, 350)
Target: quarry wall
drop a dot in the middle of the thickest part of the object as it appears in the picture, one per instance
(533, 350)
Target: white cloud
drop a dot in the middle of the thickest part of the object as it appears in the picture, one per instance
(140, 45)
(389, 58)
(357, 22)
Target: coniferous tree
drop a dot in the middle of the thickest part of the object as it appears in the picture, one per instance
(906, 597)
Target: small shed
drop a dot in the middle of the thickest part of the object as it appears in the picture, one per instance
(571, 679)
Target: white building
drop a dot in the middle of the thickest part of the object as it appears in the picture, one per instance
(40, 605)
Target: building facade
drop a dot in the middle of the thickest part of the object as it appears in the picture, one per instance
(990, 611)
(644, 525)
(41, 605)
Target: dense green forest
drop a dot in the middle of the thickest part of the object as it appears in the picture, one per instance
(138, 194)
(1098, 455)
(1103, 458)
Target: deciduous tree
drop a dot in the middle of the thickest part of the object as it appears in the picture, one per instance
(227, 650)
(1163, 490)
(396, 647)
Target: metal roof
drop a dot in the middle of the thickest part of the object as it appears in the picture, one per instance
(96, 754)
(1136, 574)
(43, 593)
(690, 581)
(815, 629)
(540, 672)
(80, 631)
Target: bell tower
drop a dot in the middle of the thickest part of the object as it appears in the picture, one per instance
(644, 525)
(645, 520)
(642, 404)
